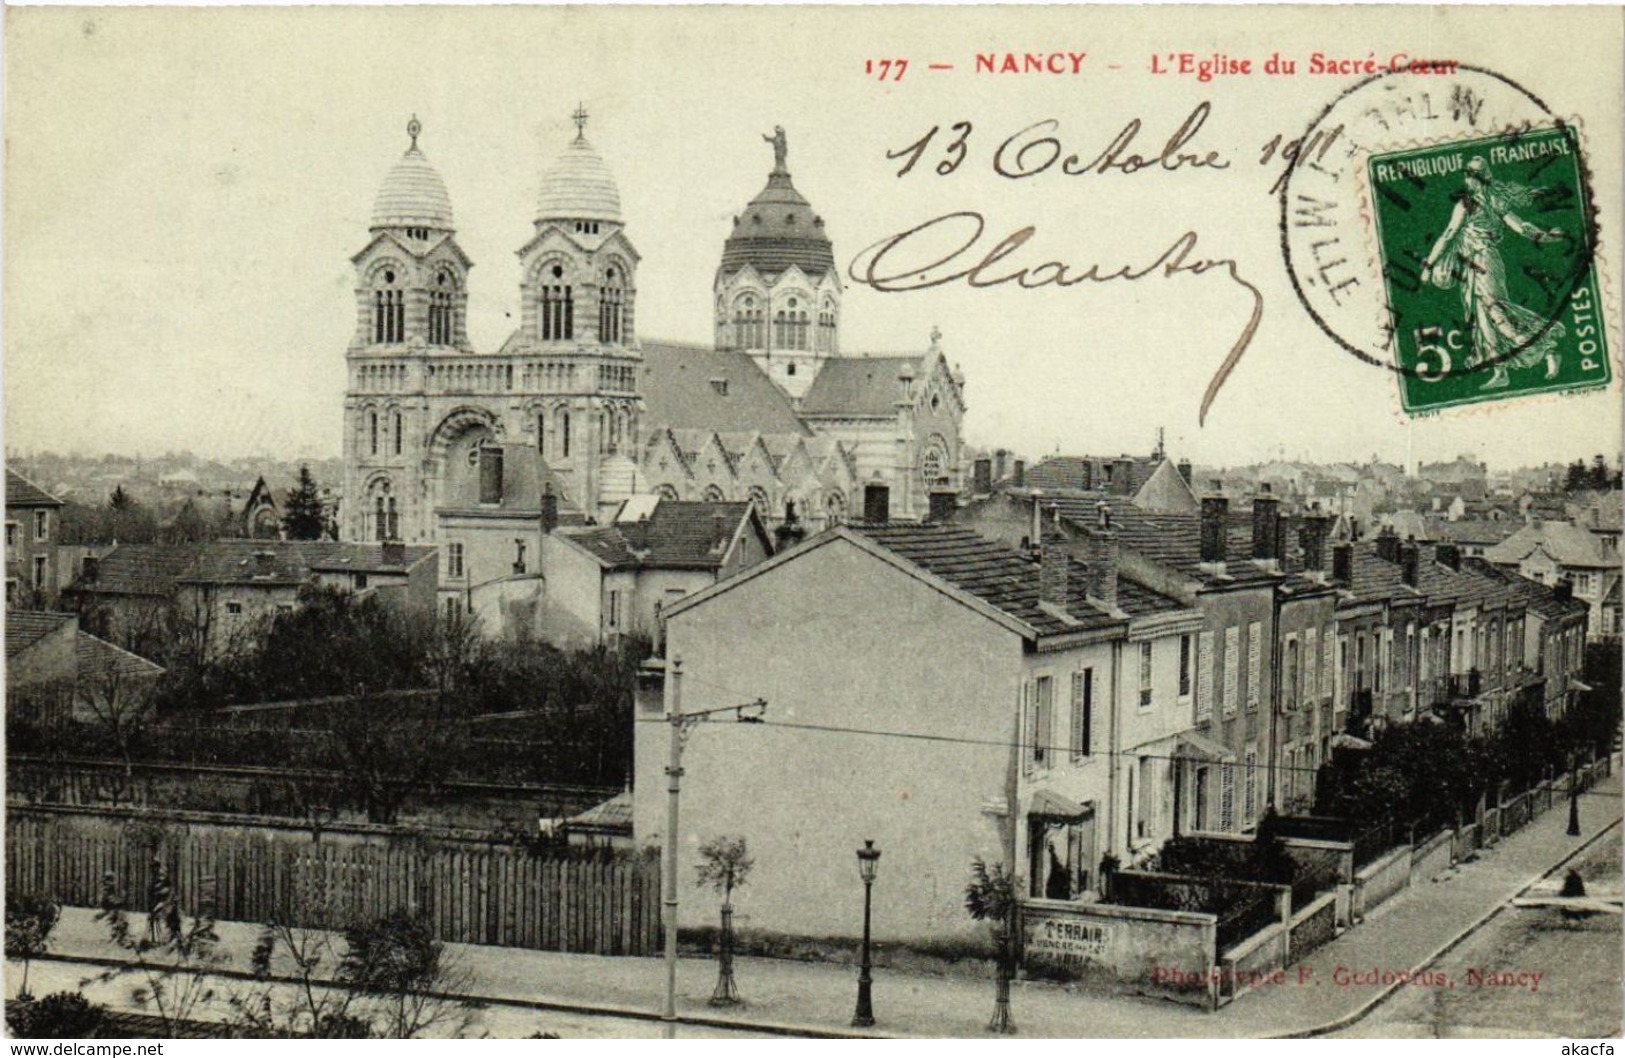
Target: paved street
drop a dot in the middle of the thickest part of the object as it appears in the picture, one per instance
(1577, 995)
(567, 994)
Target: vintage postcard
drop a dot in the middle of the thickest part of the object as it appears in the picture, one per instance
(746, 522)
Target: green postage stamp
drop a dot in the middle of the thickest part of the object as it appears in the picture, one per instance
(1486, 248)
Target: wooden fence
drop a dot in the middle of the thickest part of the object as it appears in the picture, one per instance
(473, 893)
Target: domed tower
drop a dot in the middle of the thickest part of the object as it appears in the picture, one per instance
(411, 306)
(777, 292)
(578, 294)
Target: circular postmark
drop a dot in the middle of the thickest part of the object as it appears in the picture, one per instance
(1442, 227)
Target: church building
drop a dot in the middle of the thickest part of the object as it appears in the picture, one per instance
(483, 453)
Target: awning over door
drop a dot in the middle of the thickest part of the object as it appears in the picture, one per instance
(1192, 746)
(1051, 805)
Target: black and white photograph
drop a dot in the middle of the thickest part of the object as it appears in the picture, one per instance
(797, 522)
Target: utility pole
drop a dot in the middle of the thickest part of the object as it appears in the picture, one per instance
(681, 725)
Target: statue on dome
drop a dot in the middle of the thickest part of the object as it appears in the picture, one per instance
(781, 148)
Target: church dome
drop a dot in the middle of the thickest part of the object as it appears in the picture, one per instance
(779, 229)
(578, 186)
(413, 195)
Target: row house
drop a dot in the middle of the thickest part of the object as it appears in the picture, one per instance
(33, 524)
(942, 694)
(1229, 586)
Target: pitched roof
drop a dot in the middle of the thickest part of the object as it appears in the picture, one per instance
(137, 569)
(24, 628)
(20, 492)
(1567, 543)
(1091, 472)
(1536, 596)
(678, 392)
(859, 385)
(1373, 578)
(678, 534)
(98, 657)
(998, 575)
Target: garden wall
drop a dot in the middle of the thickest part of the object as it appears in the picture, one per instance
(1145, 951)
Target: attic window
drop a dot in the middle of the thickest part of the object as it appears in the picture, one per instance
(720, 386)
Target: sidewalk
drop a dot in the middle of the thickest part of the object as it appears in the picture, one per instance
(1408, 931)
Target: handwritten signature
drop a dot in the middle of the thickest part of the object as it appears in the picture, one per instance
(887, 266)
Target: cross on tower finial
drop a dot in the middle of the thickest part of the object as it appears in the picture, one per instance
(936, 336)
(414, 127)
(580, 118)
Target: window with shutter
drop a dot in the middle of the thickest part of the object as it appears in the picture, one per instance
(1329, 662)
(1250, 797)
(1043, 722)
(1227, 797)
(1207, 679)
(1082, 712)
(1232, 662)
(1311, 665)
(1255, 636)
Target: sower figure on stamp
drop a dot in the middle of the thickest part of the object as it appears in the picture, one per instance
(1466, 255)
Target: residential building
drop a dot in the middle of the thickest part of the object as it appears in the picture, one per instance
(32, 527)
(616, 580)
(56, 672)
(942, 694)
(204, 597)
(1549, 552)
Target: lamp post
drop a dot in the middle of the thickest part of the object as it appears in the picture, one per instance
(868, 861)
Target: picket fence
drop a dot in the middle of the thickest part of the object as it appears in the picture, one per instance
(472, 893)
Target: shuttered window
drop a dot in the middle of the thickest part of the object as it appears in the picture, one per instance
(1255, 636)
(1083, 691)
(1206, 677)
(1227, 797)
(1311, 665)
(1232, 663)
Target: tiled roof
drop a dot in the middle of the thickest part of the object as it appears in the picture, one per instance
(680, 534)
(578, 186)
(678, 392)
(1170, 539)
(859, 385)
(155, 569)
(1536, 596)
(24, 628)
(99, 658)
(1373, 578)
(1464, 532)
(993, 573)
(1076, 472)
(20, 492)
(138, 569)
(1567, 543)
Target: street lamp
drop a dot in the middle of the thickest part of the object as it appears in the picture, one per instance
(868, 862)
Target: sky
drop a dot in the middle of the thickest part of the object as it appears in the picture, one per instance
(185, 187)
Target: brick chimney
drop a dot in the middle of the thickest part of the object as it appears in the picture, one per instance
(982, 476)
(1100, 558)
(1447, 555)
(1343, 564)
(1266, 521)
(1019, 475)
(942, 507)
(264, 563)
(1052, 570)
(1215, 509)
(1185, 470)
(1285, 550)
(1410, 562)
(1312, 535)
(1001, 459)
(1388, 544)
(394, 553)
(1563, 590)
(550, 509)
